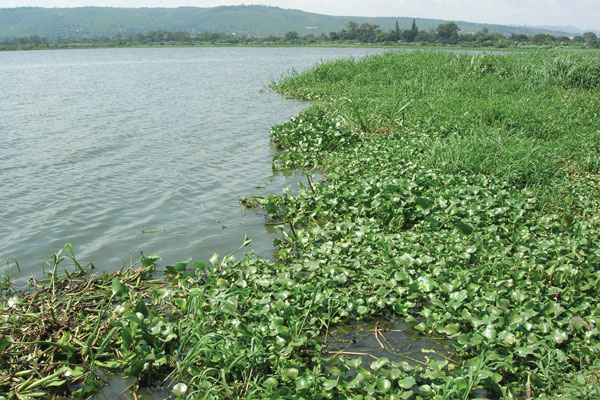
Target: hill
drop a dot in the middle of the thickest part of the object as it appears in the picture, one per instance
(86, 22)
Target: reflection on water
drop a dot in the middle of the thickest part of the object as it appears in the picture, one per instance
(119, 388)
(397, 341)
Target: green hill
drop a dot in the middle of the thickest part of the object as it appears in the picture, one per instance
(86, 22)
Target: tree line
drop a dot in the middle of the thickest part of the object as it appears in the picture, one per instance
(445, 34)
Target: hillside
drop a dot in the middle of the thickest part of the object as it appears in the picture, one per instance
(85, 22)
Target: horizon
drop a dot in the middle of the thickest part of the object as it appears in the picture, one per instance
(510, 13)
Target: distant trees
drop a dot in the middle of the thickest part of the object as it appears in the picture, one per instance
(367, 33)
(590, 37)
(518, 38)
(448, 33)
(352, 33)
(409, 35)
(291, 36)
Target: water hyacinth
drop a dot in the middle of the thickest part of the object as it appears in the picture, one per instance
(459, 195)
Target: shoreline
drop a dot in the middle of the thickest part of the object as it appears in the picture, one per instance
(321, 45)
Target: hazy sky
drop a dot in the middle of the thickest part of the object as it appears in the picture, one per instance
(584, 14)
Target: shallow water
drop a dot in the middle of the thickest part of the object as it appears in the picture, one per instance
(98, 146)
(396, 340)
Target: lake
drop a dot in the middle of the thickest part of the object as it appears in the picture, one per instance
(99, 146)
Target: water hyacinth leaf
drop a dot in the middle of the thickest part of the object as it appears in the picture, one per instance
(383, 385)
(464, 228)
(149, 259)
(141, 308)
(354, 363)
(426, 284)
(559, 336)
(229, 306)
(451, 329)
(290, 373)
(271, 383)
(507, 338)
(380, 362)
(302, 383)
(362, 309)
(271, 207)
(199, 265)
(406, 259)
(14, 301)
(55, 382)
(356, 382)
(329, 384)
(118, 289)
(489, 332)
(133, 317)
(407, 382)
(214, 259)
(4, 343)
(424, 203)
(179, 389)
(182, 266)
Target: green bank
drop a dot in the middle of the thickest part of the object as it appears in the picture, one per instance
(459, 195)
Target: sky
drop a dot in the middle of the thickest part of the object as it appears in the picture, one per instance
(584, 14)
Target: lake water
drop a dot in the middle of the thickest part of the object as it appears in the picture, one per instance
(97, 146)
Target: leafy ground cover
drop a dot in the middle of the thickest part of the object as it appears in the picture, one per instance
(459, 195)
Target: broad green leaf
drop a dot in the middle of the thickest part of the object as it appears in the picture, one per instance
(464, 228)
(354, 363)
(118, 289)
(141, 308)
(270, 383)
(383, 385)
(179, 389)
(451, 329)
(330, 384)
(407, 382)
(380, 362)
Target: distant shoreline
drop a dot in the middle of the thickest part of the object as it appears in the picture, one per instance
(75, 46)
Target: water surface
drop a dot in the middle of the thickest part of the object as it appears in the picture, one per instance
(97, 146)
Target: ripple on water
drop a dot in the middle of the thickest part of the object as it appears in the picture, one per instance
(100, 145)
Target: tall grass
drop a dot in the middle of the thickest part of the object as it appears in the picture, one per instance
(530, 119)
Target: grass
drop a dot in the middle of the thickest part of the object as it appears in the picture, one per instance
(459, 195)
(520, 118)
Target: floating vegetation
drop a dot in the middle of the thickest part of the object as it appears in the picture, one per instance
(459, 195)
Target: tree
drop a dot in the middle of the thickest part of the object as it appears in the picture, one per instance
(292, 35)
(542, 38)
(367, 32)
(423, 36)
(518, 37)
(409, 35)
(448, 33)
(352, 32)
(590, 37)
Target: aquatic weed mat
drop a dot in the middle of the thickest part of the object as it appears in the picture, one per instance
(475, 179)
(494, 247)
